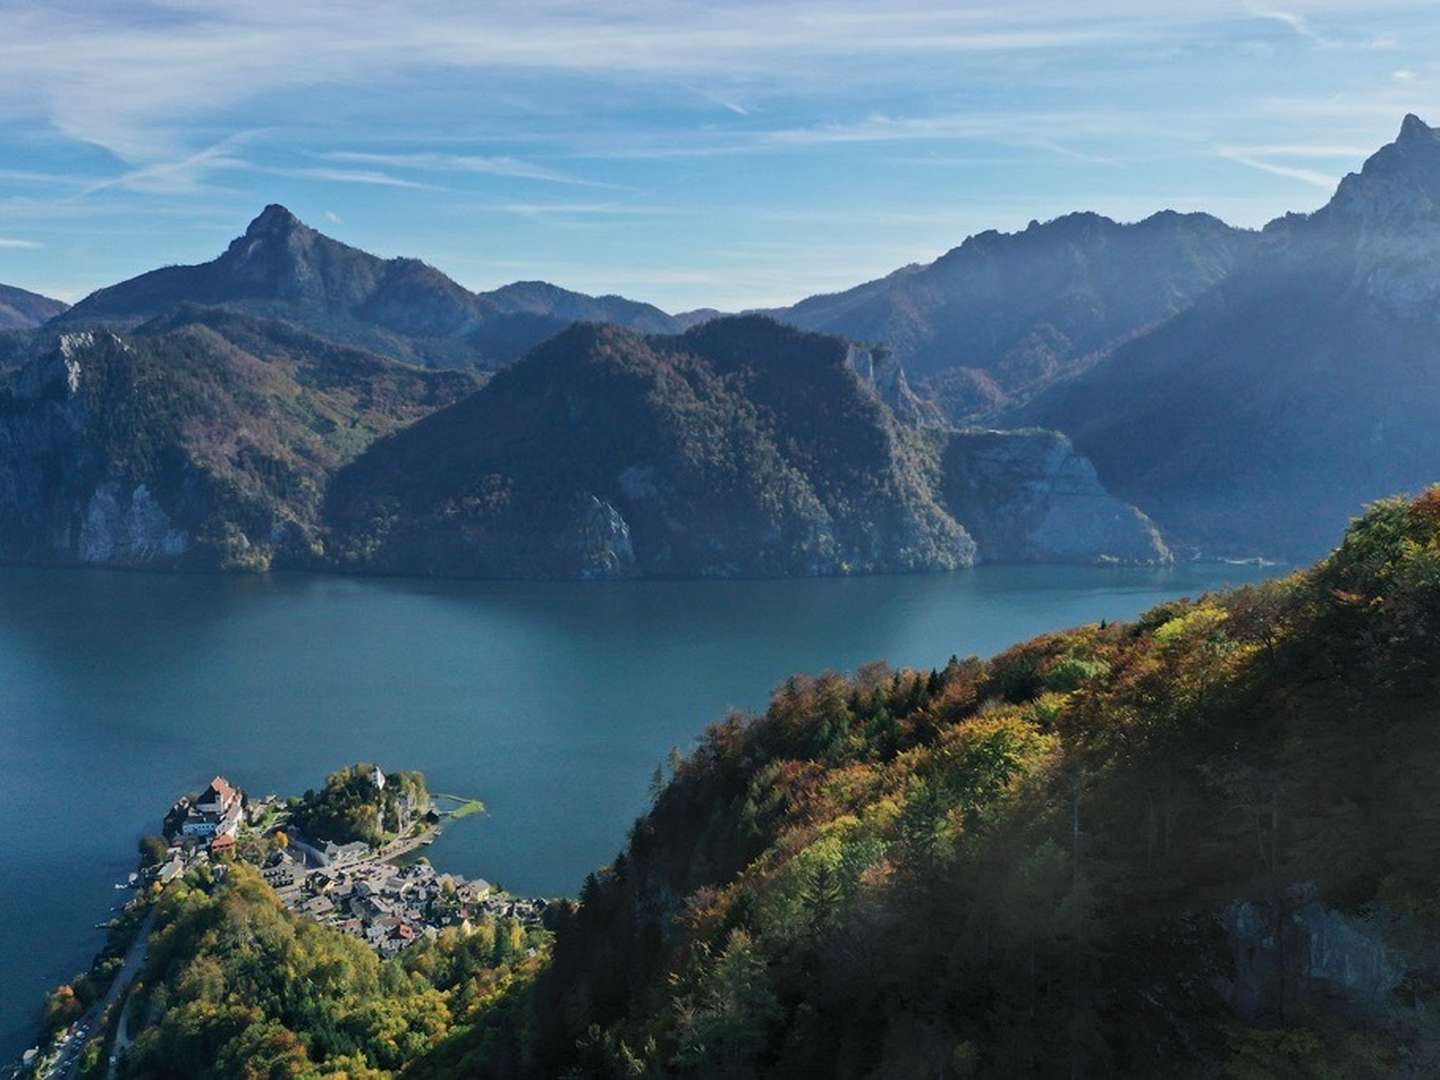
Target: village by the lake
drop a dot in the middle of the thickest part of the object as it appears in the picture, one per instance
(349, 856)
(371, 892)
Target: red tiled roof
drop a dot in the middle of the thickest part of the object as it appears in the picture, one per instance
(224, 840)
(221, 787)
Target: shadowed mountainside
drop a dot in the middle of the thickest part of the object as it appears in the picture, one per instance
(1305, 384)
(1003, 315)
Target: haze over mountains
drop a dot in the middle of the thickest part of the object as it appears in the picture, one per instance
(1004, 314)
(1245, 390)
(1304, 384)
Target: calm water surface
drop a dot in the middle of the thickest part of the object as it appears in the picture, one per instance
(552, 702)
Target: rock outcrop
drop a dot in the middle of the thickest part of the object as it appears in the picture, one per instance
(59, 501)
(1308, 948)
(879, 370)
(1027, 496)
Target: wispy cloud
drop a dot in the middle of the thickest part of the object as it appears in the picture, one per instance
(183, 175)
(334, 218)
(1043, 130)
(101, 75)
(24, 245)
(1291, 19)
(542, 209)
(29, 177)
(463, 163)
(371, 177)
(725, 102)
(1292, 172)
(1320, 151)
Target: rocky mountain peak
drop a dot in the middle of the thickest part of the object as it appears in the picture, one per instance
(1412, 127)
(274, 220)
(1398, 186)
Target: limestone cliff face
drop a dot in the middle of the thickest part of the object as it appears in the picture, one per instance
(1027, 496)
(879, 370)
(599, 546)
(1307, 950)
(60, 499)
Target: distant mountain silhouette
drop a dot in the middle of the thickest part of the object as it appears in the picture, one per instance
(22, 310)
(403, 308)
(1302, 386)
(1003, 315)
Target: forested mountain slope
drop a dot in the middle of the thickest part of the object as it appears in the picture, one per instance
(1199, 845)
(741, 447)
(203, 441)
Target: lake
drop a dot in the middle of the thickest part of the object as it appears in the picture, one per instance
(551, 702)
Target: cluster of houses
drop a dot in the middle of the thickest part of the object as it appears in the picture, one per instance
(391, 907)
(213, 817)
(345, 885)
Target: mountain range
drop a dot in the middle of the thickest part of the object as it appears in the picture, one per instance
(1243, 389)
(402, 308)
(1002, 316)
(207, 438)
(1304, 384)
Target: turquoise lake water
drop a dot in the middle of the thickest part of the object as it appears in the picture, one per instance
(551, 702)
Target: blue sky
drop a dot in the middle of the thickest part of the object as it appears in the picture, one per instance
(709, 154)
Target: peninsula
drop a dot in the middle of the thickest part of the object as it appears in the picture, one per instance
(341, 857)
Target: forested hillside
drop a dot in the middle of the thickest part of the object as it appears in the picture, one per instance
(204, 440)
(235, 986)
(741, 447)
(1198, 845)
(23, 310)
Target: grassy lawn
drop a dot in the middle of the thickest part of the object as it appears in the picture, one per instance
(463, 807)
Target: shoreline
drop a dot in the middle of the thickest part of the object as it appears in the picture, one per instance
(61, 1054)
